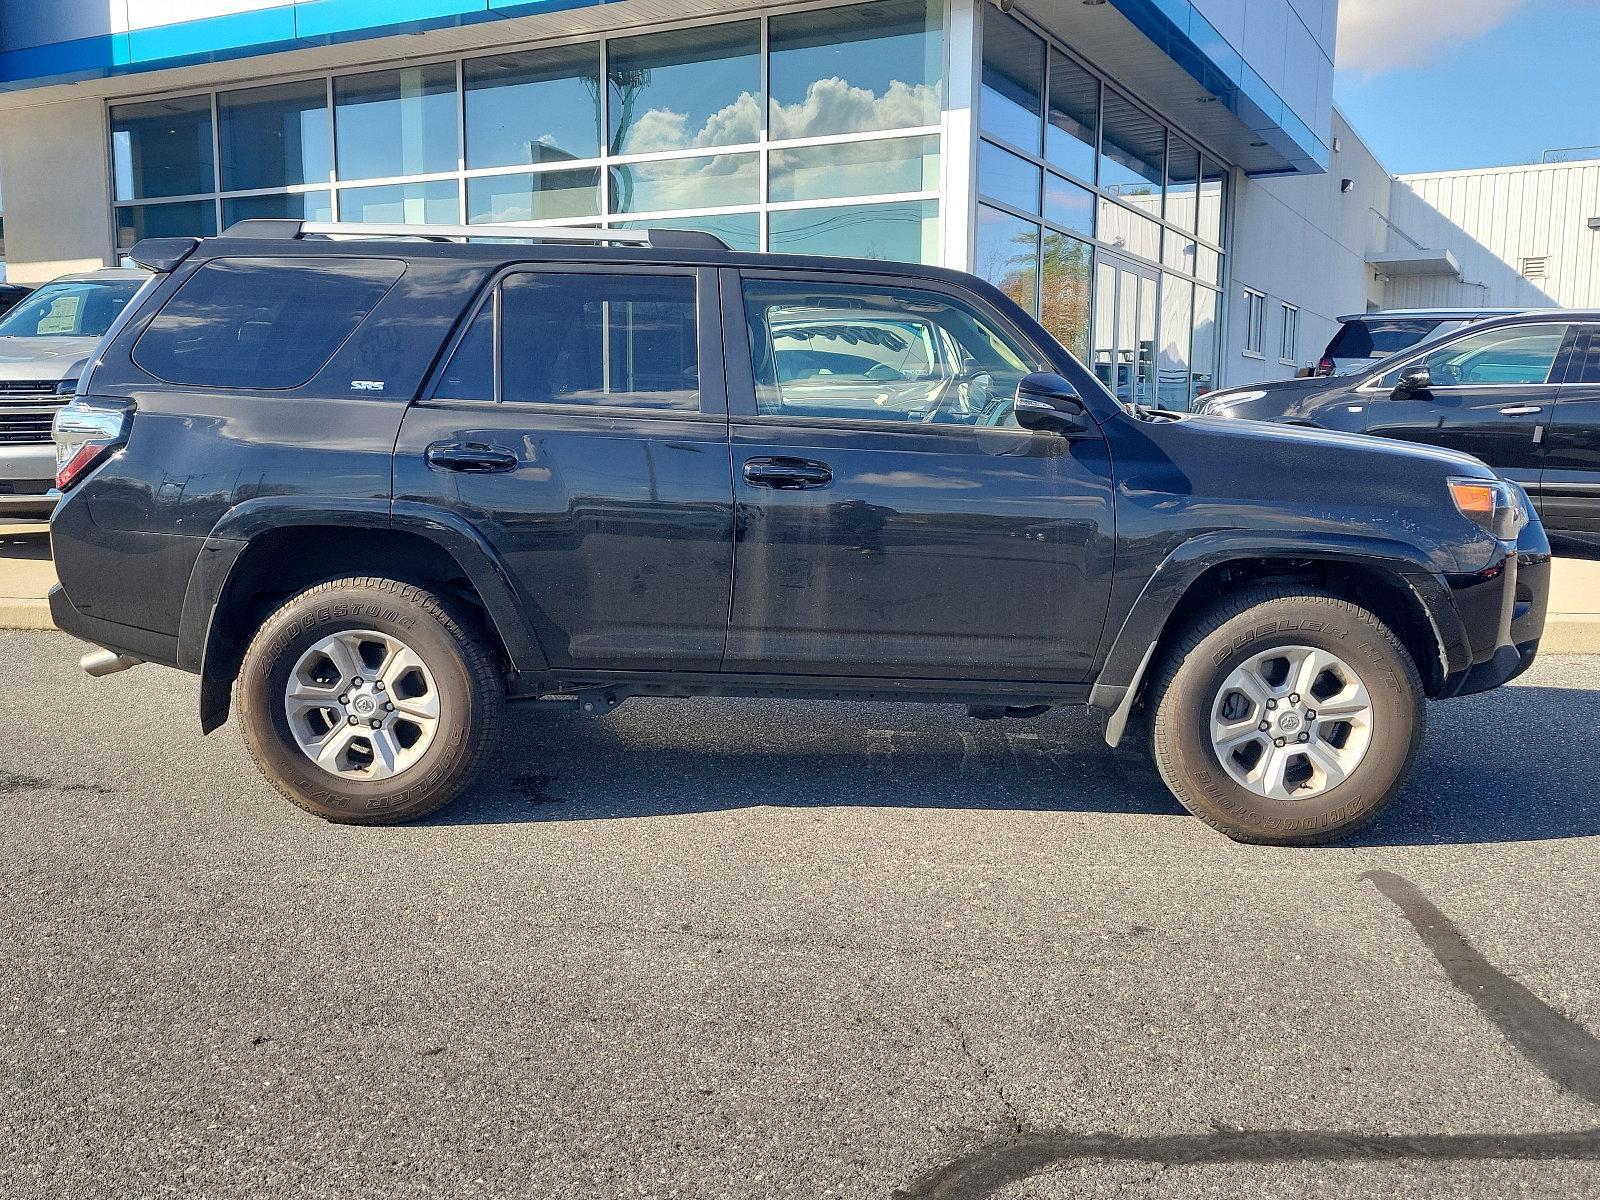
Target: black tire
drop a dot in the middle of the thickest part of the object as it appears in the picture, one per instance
(468, 681)
(1233, 632)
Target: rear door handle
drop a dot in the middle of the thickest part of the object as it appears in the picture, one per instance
(470, 457)
(787, 474)
(1522, 410)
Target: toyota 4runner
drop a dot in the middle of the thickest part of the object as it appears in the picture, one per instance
(377, 485)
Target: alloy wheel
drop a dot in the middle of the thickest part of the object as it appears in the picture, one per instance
(362, 705)
(1292, 722)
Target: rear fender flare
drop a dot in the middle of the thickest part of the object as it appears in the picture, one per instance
(201, 635)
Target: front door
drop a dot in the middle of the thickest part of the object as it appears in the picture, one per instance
(1491, 392)
(892, 518)
(1125, 328)
(1569, 490)
(579, 425)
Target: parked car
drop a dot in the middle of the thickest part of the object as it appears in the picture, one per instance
(381, 486)
(1365, 339)
(11, 294)
(44, 342)
(1521, 393)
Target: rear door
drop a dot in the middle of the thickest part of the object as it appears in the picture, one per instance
(892, 518)
(580, 425)
(1569, 491)
(1492, 391)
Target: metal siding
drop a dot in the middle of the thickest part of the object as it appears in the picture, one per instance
(1495, 219)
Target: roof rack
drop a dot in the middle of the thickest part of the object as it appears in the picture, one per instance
(287, 230)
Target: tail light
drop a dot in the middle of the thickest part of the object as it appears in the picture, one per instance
(1326, 366)
(85, 435)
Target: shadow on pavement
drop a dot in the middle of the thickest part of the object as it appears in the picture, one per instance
(1497, 768)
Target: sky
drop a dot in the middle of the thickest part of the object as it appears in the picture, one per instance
(1439, 85)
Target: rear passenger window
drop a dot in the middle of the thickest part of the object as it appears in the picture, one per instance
(593, 338)
(269, 323)
(470, 373)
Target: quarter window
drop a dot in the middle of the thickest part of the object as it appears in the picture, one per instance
(1521, 355)
(600, 339)
(846, 352)
(262, 323)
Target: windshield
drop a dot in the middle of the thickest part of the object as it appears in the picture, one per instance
(84, 308)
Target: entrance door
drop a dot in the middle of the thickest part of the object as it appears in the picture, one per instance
(1125, 328)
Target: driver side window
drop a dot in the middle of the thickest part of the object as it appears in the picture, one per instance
(824, 351)
(1521, 355)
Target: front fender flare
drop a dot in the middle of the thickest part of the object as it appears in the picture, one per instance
(1130, 650)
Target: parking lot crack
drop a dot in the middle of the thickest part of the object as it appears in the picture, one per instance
(986, 1072)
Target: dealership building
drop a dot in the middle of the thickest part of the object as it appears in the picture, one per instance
(1094, 158)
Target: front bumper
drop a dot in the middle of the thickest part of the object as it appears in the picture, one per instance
(1503, 613)
(27, 479)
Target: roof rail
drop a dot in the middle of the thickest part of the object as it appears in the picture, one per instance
(274, 229)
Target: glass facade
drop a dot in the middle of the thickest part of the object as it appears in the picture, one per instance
(815, 131)
(809, 132)
(1097, 218)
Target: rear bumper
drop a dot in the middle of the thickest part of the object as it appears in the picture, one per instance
(125, 639)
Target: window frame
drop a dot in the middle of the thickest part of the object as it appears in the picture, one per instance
(1373, 385)
(1255, 321)
(744, 405)
(763, 144)
(708, 343)
(1289, 334)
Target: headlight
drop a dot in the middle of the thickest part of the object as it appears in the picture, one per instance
(1492, 504)
(66, 387)
(1226, 401)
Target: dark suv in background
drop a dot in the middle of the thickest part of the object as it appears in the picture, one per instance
(383, 485)
(1522, 393)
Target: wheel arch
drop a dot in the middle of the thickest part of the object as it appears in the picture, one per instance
(1389, 578)
(265, 551)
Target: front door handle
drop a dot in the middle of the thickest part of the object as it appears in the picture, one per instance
(470, 457)
(787, 474)
(1522, 410)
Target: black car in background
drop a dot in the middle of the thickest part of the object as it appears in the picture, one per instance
(379, 486)
(1522, 393)
(1366, 339)
(11, 294)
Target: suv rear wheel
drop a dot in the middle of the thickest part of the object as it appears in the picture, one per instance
(368, 701)
(1287, 716)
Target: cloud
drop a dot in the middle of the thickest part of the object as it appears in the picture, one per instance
(1384, 35)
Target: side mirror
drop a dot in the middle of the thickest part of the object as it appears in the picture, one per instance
(1413, 381)
(1047, 403)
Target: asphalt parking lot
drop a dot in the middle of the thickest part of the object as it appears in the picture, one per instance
(737, 948)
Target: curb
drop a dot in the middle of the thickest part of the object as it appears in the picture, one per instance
(25, 614)
(1572, 633)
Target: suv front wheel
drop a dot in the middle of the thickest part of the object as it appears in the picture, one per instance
(1287, 716)
(369, 701)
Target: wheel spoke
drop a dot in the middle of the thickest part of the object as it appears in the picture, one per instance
(1328, 761)
(342, 651)
(385, 753)
(326, 753)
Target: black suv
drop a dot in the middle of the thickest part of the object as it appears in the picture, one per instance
(385, 484)
(1522, 393)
